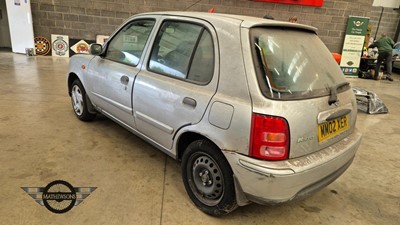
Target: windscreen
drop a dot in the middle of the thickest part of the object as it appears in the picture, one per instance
(294, 64)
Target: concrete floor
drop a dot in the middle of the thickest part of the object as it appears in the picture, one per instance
(41, 140)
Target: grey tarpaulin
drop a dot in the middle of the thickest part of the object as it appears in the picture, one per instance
(369, 102)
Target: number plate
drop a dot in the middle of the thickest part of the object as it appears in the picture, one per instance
(332, 128)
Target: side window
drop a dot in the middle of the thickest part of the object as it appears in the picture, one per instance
(202, 67)
(183, 50)
(128, 44)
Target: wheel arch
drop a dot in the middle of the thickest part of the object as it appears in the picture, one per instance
(71, 77)
(185, 139)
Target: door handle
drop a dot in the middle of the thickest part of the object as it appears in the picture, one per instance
(189, 101)
(124, 79)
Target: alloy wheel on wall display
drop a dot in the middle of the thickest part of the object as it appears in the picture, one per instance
(42, 45)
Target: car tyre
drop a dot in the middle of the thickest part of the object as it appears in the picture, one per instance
(208, 178)
(79, 102)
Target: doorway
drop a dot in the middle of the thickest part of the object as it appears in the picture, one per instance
(5, 39)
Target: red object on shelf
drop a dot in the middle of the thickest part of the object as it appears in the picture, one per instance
(337, 57)
(318, 3)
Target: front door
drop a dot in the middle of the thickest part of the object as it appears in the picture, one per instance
(112, 75)
(178, 82)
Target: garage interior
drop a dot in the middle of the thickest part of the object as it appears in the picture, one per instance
(41, 140)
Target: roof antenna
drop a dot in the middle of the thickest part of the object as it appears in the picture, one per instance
(192, 5)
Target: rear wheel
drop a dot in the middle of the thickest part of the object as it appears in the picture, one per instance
(79, 102)
(208, 178)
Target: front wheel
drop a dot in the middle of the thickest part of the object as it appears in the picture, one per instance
(79, 102)
(208, 178)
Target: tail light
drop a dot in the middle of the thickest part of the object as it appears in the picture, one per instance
(269, 138)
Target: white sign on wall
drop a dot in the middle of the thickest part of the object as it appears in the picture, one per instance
(60, 45)
(387, 3)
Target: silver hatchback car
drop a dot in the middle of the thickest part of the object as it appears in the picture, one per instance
(256, 110)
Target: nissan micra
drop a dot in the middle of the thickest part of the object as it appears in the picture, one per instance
(256, 110)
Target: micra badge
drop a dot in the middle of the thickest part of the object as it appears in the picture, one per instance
(304, 139)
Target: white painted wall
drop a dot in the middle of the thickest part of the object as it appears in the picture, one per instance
(5, 40)
(20, 22)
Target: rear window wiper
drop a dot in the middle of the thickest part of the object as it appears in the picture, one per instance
(333, 92)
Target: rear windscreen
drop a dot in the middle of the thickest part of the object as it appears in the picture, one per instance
(294, 64)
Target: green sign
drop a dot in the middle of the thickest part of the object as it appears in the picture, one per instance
(353, 45)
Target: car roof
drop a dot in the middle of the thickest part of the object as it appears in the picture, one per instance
(243, 21)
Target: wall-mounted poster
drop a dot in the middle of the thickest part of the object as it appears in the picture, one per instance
(353, 45)
(317, 3)
(42, 46)
(60, 46)
(101, 39)
(79, 46)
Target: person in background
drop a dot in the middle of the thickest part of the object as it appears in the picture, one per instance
(385, 48)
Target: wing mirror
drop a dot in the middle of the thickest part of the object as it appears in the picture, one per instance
(95, 49)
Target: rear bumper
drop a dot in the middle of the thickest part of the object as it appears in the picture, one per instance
(267, 182)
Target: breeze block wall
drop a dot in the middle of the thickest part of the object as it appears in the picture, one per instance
(84, 19)
(389, 21)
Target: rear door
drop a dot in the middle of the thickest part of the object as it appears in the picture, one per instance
(178, 81)
(112, 75)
